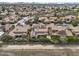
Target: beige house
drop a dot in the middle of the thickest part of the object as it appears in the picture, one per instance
(8, 27)
(19, 31)
(69, 18)
(58, 30)
(75, 31)
(37, 32)
(11, 18)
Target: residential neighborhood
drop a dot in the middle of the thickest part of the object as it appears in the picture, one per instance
(39, 23)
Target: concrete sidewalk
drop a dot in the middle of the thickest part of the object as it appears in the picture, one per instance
(39, 46)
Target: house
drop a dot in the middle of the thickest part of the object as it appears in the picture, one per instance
(75, 31)
(58, 30)
(11, 18)
(8, 27)
(49, 25)
(69, 33)
(39, 29)
(37, 32)
(40, 25)
(69, 18)
(19, 31)
(42, 18)
(51, 20)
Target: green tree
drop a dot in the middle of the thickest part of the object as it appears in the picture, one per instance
(1, 43)
(55, 39)
(36, 19)
(43, 39)
(40, 39)
(33, 39)
(75, 22)
(0, 18)
(21, 40)
(7, 38)
(72, 39)
(3, 9)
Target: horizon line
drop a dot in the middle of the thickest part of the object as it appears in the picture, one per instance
(39, 2)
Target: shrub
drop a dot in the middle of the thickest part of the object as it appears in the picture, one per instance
(72, 39)
(43, 39)
(55, 39)
(33, 39)
(75, 22)
(6, 38)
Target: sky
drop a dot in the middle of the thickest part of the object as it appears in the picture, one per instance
(42, 1)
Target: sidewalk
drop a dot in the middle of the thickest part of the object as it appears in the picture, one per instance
(38, 46)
